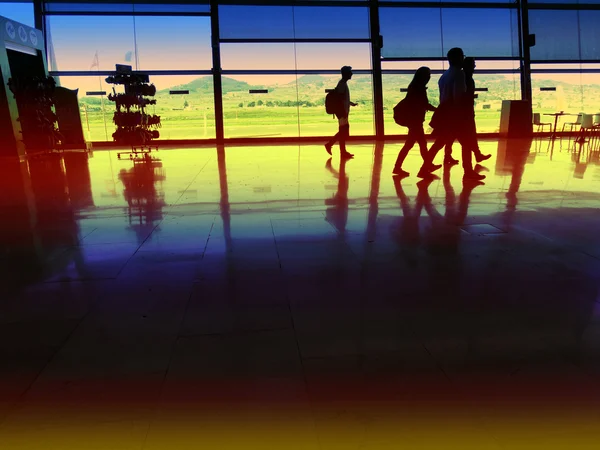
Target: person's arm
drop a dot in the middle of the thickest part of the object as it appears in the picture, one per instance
(350, 101)
(424, 101)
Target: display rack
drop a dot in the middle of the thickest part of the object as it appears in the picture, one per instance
(135, 127)
(35, 100)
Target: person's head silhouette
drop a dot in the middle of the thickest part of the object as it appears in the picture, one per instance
(469, 65)
(422, 77)
(455, 57)
(346, 72)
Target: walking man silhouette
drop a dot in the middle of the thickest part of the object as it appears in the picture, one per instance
(471, 128)
(343, 133)
(450, 120)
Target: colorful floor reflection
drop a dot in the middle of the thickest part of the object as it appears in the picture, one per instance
(268, 297)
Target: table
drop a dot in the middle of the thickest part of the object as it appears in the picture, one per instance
(556, 116)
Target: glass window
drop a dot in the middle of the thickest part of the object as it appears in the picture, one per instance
(400, 26)
(300, 56)
(411, 66)
(254, 22)
(173, 43)
(90, 42)
(556, 34)
(552, 92)
(327, 56)
(184, 116)
(21, 12)
(591, 92)
(178, 6)
(264, 56)
(104, 6)
(565, 1)
(311, 95)
(488, 104)
(589, 34)
(270, 114)
(479, 32)
(431, 32)
(96, 110)
(331, 22)
(99, 6)
(458, 1)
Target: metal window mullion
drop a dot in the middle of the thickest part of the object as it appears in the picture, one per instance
(125, 13)
(377, 81)
(294, 40)
(217, 70)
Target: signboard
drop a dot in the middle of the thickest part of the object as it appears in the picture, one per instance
(20, 34)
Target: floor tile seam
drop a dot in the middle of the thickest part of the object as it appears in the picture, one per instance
(233, 333)
(183, 191)
(156, 407)
(138, 249)
(295, 333)
(19, 401)
(175, 203)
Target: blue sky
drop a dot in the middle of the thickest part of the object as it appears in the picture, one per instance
(19, 12)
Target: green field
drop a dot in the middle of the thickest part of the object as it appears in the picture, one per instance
(297, 109)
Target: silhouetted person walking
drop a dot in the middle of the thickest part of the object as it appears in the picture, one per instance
(417, 104)
(344, 127)
(471, 127)
(449, 122)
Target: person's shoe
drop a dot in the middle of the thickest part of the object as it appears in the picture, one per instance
(479, 168)
(473, 176)
(479, 157)
(426, 170)
(328, 148)
(450, 161)
(346, 155)
(400, 172)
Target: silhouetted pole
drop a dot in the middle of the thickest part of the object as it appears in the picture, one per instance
(376, 45)
(525, 41)
(38, 9)
(216, 70)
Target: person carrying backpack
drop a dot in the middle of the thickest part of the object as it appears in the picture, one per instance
(410, 113)
(343, 110)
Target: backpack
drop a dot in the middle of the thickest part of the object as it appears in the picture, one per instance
(402, 113)
(333, 102)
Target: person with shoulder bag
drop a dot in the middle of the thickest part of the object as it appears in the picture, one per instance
(410, 112)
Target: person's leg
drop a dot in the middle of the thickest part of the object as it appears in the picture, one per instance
(410, 142)
(435, 148)
(472, 129)
(422, 141)
(344, 134)
(448, 159)
(335, 138)
(466, 146)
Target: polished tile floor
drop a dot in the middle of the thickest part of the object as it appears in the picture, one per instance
(268, 297)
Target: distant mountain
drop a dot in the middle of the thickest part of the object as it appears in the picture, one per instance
(313, 79)
(205, 84)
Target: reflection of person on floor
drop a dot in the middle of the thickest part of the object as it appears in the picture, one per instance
(517, 152)
(419, 105)
(471, 127)
(407, 230)
(449, 121)
(344, 127)
(337, 211)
